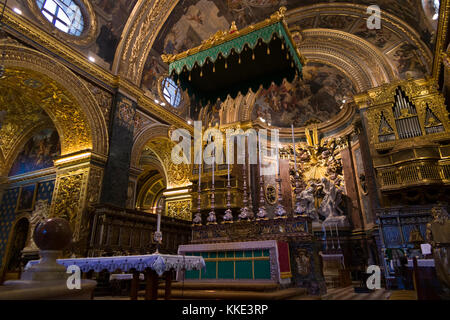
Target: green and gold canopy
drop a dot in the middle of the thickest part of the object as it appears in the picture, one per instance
(238, 60)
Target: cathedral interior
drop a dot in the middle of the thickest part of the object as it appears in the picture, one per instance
(95, 96)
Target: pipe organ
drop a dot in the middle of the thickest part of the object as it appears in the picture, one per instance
(406, 118)
(409, 133)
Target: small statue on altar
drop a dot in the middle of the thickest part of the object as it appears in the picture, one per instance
(197, 219)
(329, 208)
(228, 216)
(262, 213)
(211, 217)
(245, 214)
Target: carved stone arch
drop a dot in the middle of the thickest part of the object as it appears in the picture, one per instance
(153, 131)
(80, 123)
(368, 66)
(141, 30)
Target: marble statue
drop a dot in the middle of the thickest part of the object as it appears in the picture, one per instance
(306, 204)
(329, 208)
(39, 215)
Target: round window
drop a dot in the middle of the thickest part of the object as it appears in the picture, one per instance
(171, 92)
(63, 14)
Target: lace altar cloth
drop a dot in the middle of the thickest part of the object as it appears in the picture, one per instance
(158, 262)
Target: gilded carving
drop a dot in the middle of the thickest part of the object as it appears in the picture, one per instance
(68, 199)
(180, 209)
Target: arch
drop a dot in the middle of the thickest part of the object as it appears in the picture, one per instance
(147, 18)
(153, 131)
(74, 111)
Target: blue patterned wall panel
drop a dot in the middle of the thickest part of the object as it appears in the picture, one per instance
(7, 216)
(392, 238)
(45, 191)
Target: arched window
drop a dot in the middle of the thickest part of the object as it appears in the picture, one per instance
(63, 14)
(171, 92)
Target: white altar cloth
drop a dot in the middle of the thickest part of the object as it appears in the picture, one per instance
(157, 262)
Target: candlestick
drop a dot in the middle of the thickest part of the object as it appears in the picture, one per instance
(262, 213)
(331, 237)
(228, 216)
(244, 210)
(297, 207)
(280, 211)
(212, 214)
(295, 153)
(337, 232)
(158, 233)
(198, 216)
(158, 223)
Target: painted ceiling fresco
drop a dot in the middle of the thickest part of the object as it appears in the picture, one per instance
(317, 97)
(112, 16)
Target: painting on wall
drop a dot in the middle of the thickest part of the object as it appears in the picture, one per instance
(318, 97)
(26, 197)
(406, 59)
(113, 15)
(38, 153)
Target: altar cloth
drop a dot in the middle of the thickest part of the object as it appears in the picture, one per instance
(157, 262)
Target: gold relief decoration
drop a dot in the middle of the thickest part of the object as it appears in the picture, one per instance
(126, 112)
(141, 121)
(177, 174)
(68, 199)
(271, 194)
(25, 57)
(63, 96)
(139, 40)
(90, 23)
(94, 184)
(141, 138)
(104, 99)
(180, 209)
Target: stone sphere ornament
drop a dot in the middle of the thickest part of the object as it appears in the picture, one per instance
(53, 234)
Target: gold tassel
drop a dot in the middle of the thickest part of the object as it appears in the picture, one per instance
(189, 77)
(253, 56)
(201, 73)
(282, 46)
(292, 64)
(214, 68)
(287, 56)
(268, 50)
(226, 65)
(239, 61)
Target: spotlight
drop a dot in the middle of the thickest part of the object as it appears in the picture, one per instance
(189, 121)
(163, 104)
(17, 10)
(91, 59)
(262, 119)
(157, 101)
